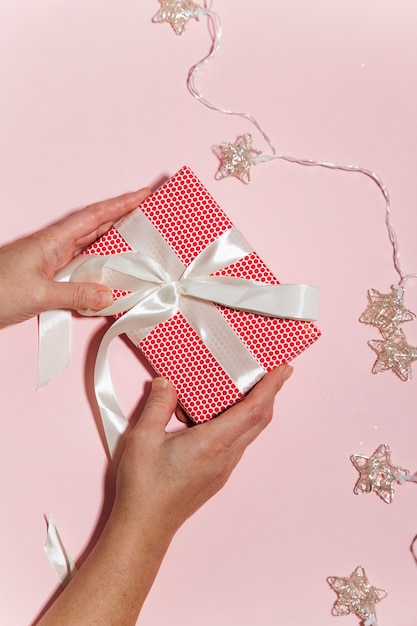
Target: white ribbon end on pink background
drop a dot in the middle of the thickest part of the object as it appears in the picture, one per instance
(60, 560)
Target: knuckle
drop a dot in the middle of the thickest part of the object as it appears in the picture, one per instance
(259, 415)
(213, 448)
(212, 454)
(38, 299)
(159, 399)
(47, 241)
(79, 297)
(156, 400)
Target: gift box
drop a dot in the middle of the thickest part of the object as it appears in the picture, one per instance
(213, 354)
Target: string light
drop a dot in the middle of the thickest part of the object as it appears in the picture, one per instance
(236, 158)
(385, 311)
(378, 474)
(394, 353)
(356, 595)
(178, 13)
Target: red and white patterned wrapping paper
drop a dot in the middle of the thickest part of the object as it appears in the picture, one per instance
(189, 219)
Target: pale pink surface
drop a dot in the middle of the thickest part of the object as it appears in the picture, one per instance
(94, 104)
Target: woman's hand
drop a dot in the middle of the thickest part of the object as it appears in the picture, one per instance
(28, 265)
(166, 477)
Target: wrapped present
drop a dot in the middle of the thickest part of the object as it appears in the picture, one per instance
(196, 299)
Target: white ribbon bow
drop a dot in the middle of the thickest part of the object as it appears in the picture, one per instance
(160, 286)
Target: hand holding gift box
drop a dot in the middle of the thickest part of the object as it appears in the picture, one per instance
(196, 299)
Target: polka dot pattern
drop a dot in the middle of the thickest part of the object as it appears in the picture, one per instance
(110, 243)
(189, 220)
(272, 341)
(176, 352)
(251, 267)
(186, 215)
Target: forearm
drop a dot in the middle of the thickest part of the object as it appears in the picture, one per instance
(112, 585)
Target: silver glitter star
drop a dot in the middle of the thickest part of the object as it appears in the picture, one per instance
(177, 13)
(386, 311)
(378, 474)
(237, 158)
(394, 353)
(356, 595)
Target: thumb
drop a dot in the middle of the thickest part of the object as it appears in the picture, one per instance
(78, 296)
(160, 405)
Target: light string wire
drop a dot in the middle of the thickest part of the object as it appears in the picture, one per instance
(215, 31)
(379, 182)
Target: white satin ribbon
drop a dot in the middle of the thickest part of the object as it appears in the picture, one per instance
(161, 286)
(60, 560)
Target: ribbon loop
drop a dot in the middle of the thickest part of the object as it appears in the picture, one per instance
(286, 301)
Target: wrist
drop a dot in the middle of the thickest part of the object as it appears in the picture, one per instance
(140, 525)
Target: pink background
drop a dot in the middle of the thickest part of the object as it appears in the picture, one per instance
(94, 103)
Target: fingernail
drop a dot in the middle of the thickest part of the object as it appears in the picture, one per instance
(286, 371)
(102, 298)
(159, 383)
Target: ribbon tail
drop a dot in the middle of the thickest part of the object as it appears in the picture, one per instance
(55, 333)
(54, 345)
(140, 319)
(114, 421)
(60, 560)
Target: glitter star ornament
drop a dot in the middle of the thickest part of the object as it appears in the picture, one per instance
(356, 595)
(178, 13)
(386, 311)
(378, 474)
(394, 353)
(236, 159)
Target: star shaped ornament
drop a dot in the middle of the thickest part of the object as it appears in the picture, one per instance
(378, 474)
(394, 353)
(386, 311)
(178, 13)
(356, 595)
(237, 158)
